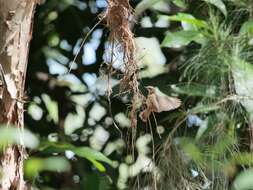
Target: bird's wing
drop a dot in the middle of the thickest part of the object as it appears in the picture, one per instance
(167, 103)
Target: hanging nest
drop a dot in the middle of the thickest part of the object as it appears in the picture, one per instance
(118, 15)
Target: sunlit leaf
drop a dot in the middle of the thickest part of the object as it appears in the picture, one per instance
(204, 108)
(242, 72)
(14, 135)
(202, 128)
(243, 159)
(219, 4)
(182, 38)
(55, 164)
(188, 21)
(151, 57)
(244, 180)
(195, 89)
(74, 121)
(247, 28)
(52, 107)
(143, 5)
(180, 3)
(84, 152)
(93, 156)
(35, 111)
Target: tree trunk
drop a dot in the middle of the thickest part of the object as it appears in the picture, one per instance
(251, 136)
(15, 34)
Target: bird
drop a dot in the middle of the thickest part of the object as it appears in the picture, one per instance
(157, 101)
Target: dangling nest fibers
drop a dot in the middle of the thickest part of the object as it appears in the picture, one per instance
(117, 16)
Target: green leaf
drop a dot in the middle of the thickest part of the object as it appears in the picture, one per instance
(188, 21)
(144, 5)
(195, 90)
(223, 145)
(204, 108)
(219, 4)
(242, 72)
(14, 135)
(52, 107)
(95, 181)
(243, 159)
(182, 38)
(202, 129)
(241, 3)
(93, 156)
(85, 152)
(55, 164)
(191, 150)
(247, 28)
(180, 3)
(244, 180)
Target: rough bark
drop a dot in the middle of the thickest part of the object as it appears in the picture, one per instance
(251, 136)
(15, 34)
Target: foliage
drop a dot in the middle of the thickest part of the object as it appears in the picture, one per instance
(204, 59)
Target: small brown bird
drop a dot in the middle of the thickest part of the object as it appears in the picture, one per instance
(158, 102)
